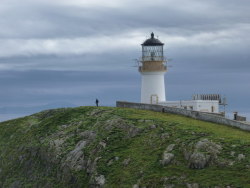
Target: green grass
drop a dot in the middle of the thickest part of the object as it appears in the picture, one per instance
(29, 157)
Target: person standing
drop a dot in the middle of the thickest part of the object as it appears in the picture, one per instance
(97, 102)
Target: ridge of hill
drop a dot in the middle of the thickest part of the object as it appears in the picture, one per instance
(119, 147)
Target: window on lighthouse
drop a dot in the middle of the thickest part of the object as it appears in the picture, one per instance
(152, 53)
(152, 56)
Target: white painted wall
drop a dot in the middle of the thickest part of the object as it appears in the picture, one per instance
(152, 84)
(196, 105)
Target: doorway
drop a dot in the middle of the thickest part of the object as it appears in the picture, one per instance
(154, 99)
(212, 109)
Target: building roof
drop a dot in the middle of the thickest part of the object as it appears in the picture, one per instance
(152, 41)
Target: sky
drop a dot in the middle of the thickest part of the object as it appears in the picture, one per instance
(66, 53)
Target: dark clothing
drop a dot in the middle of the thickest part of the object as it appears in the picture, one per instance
(97, 102)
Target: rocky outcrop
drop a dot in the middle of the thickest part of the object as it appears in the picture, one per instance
(198, 160)
(202, 154)
(131, 130)
(99, 181)
(241, 157)
(167, 156)
(75, 158)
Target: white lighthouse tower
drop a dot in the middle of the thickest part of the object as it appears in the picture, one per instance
(152, 69)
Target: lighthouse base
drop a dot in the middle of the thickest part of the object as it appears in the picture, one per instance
(153, 87)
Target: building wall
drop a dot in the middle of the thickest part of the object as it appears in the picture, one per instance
(152, 87)
(196, 105)
(189, 113)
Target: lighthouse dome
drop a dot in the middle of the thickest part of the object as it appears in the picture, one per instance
(152, 41)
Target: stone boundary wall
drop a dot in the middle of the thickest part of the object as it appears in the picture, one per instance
(188, 113)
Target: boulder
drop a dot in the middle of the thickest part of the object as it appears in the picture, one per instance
(167, 158)
(100, 180)
(241, 157)
(170, 147)
(153, 126)
(103, 144)
(135, 186)
(198, 160)
(117, 158)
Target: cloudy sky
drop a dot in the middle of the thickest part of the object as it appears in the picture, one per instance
(69, 52)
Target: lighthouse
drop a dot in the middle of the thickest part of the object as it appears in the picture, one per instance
(152, 68)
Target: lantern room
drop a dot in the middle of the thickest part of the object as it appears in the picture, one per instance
(152, 49)
(152, 56)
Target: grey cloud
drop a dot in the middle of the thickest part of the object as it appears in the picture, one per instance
(49, 20)
(35, 20)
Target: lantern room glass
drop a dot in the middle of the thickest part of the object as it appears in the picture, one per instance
(152, 53)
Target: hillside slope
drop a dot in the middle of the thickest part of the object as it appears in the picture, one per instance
(114, 147)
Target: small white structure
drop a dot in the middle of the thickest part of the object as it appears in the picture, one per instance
(200, 102)
(152, 69)
(210, 106)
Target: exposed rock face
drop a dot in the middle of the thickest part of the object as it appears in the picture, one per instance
(170, 147)
(208, 146)
(167, 156)
(131, 130)
(204, 152)
(100, 180)
(135, 186)
(116, 122)
(75, 158)
(241, 157)
(198, 160)
(88, 135)
(153, 126)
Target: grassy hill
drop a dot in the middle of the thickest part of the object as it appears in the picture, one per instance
(115, 147)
